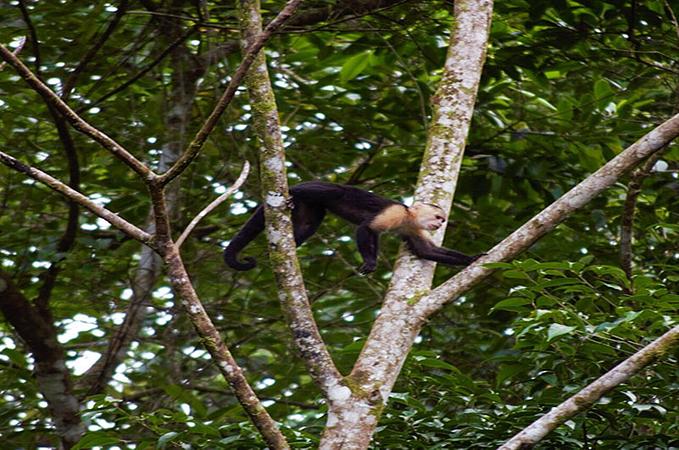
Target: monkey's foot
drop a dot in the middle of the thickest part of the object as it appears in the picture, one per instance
(367, 268)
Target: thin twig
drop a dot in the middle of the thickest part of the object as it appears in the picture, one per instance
(199, 140)
(74, 119)
(629, 209)
(208, 209)
(22, 42)
(141, 73)
(51, 182)
(85, 60)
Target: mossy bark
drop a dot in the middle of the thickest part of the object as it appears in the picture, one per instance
(279, 230)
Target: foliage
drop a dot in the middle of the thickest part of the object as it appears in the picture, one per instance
(566, 86)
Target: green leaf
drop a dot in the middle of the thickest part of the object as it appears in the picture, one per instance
(354, 66)
(166, 438)
(96, 439)
(556, 329)
(513, 304)
(437, 363)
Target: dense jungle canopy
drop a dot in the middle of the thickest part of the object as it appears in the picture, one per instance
(565, 87)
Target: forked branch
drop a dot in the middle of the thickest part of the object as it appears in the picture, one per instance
(550, 217)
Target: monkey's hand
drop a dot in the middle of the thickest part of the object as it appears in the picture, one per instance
(367, 267)
(475, 257)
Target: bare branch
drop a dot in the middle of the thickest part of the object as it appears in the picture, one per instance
(550, 217)
(629, 209)
(199, 140)
(208, 209)
(395, 328)
(22, 42)
(229, 368)
(581, 401)
(74, 119)
(85, 60)
(51, 182)
(177, 42)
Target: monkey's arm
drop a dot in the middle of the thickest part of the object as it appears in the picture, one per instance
(367, 241)
(423, 248)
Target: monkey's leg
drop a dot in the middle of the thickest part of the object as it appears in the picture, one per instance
(368, 243)
(306, 219)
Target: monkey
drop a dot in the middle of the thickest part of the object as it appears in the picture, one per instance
(371, 213)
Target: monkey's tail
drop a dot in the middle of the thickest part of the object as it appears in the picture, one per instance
(250, 230)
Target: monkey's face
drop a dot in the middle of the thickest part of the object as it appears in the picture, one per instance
(427, 216)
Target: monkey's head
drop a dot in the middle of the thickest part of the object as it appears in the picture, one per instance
(427, 216)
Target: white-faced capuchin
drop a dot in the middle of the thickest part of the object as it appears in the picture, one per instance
(373, 214)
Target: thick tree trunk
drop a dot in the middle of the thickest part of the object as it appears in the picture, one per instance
(353, 415)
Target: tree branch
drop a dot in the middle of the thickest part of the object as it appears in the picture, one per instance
(17, 50)
(581, 401)
(74, 119)
(628, 211)
(176, 43)
(199, 140)
(52, 376)
(395, 328)
(56, 185)
(282, 253)
(550, 217)
(69, 84)
(216, 202)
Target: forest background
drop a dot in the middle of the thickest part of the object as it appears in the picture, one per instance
(97, 350)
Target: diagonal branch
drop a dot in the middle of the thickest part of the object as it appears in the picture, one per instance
(216, 202)
(282, 253)
(396, 327)
(74, 119)
(199, 140)
(85, 60)
(550, 217)
(161, 56)
(586, 397)
(54, 184)
(17, 50)
(629, 210)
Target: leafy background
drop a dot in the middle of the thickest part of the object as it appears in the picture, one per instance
(566, 86)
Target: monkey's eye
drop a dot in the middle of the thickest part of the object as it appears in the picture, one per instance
(440, 218)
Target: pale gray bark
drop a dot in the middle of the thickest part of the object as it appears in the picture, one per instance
(282, 252)
(353, 416)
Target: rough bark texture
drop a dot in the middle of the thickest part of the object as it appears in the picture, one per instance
(183, 289)
(52, 376)
(581, 401)
(352, 417)
(282, 253)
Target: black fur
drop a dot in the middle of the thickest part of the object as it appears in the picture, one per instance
(360, 207)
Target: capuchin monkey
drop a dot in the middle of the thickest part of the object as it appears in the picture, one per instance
(373, 215)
